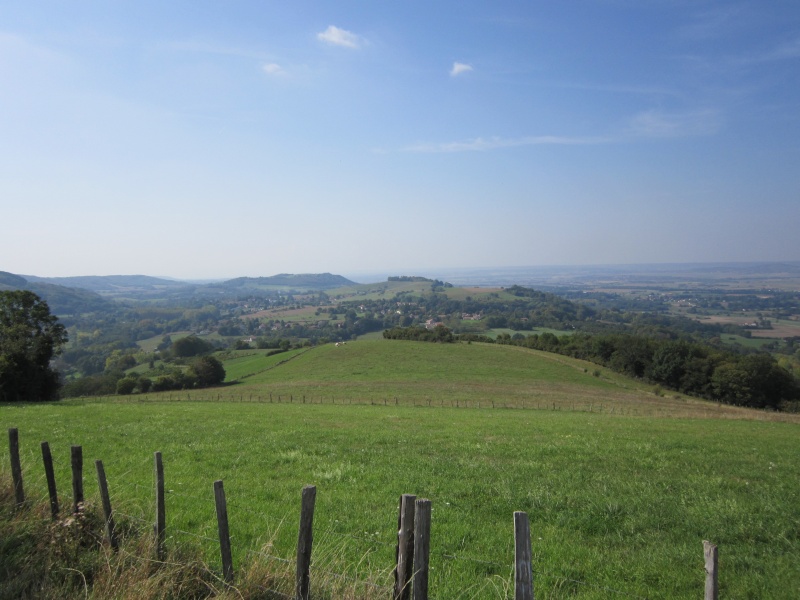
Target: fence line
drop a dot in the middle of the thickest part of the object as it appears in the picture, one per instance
(412, 547)
(477, 404)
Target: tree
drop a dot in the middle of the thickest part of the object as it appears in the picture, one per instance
(208, 370)
(30, 337)
(190, 346)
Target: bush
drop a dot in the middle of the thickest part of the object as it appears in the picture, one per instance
(126, 386)
(207, 371)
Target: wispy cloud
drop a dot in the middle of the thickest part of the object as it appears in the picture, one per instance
(460, 68)
(717, 22)
(273, 69)
(785, 51)
(207, 48)
(340, 37)
(788, 50)
(650, 124)
(658, 124)
(619, 88)
(494, 143)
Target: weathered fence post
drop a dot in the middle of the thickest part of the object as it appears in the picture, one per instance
(304, 541)
(160, 524)
(111, 535)
(422, 549)
(47, 458)
(523, 574)
(76, 456)
(405, 548)
(224, 531)
(16, 466)
(712, 582)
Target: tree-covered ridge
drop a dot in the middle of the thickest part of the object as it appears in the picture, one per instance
(61, 300)
(112, 283)
(754, 380)
(301, 282)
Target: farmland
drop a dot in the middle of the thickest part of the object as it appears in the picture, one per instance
(619, 502)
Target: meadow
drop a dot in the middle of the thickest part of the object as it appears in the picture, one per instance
(619, 504)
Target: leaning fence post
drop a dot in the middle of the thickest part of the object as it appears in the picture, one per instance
(160, 524)
(109, 517)
(47, 458)
(422, 550)
(405, 548)
(16, 466)
(224, 531)
(304, 541)
(76, 459)
(523, 574)
(712, 582)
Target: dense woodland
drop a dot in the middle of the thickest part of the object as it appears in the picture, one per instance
(636, 336)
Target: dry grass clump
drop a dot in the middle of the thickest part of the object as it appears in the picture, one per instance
(68, 557)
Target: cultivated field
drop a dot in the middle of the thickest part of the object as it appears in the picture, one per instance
(781, 328)
(619, 503)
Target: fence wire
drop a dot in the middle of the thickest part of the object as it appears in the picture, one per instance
(120, 487)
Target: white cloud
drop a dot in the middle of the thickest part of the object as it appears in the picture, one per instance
(339, 37)
(786, 51)
(273, 69)
(652, 124)
(658, 124)
(494, 143)
(459, 68)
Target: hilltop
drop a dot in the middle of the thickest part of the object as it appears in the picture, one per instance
(62, 300)
(62, 295)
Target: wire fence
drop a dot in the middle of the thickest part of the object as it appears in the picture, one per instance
(331, 546)
(672, 408)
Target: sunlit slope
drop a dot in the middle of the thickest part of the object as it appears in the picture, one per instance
(418, 372)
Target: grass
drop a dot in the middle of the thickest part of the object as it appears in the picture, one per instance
(247, 363)
(478, 375)
(619, 505)
(615, 502)
(150, 344)
(381, 290)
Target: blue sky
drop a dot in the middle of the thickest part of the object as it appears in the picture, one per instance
(219, 139)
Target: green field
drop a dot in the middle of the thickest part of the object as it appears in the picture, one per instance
(247, 363)
(619, 504)
(493, 333)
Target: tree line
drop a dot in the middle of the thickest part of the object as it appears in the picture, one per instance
(752, 380)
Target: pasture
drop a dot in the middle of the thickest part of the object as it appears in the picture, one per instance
(618, 504)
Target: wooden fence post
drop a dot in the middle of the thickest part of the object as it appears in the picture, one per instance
(712, 581)
(161, 521)
(16, 466)
(422, 550)
(111, 535)
(304, 542)
(405, 548)
(224, 531)
(523, 574)
(47, 458)
(76, 459)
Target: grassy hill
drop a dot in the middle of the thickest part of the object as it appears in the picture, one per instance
(485, 375)
(619, 503)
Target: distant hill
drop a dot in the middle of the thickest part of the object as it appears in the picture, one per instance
(62, 300)
(116, 285)
(301, 283)
(146, 288)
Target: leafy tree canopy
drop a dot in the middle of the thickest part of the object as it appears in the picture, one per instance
(29, 339)
(190, 346)
(208, 370)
